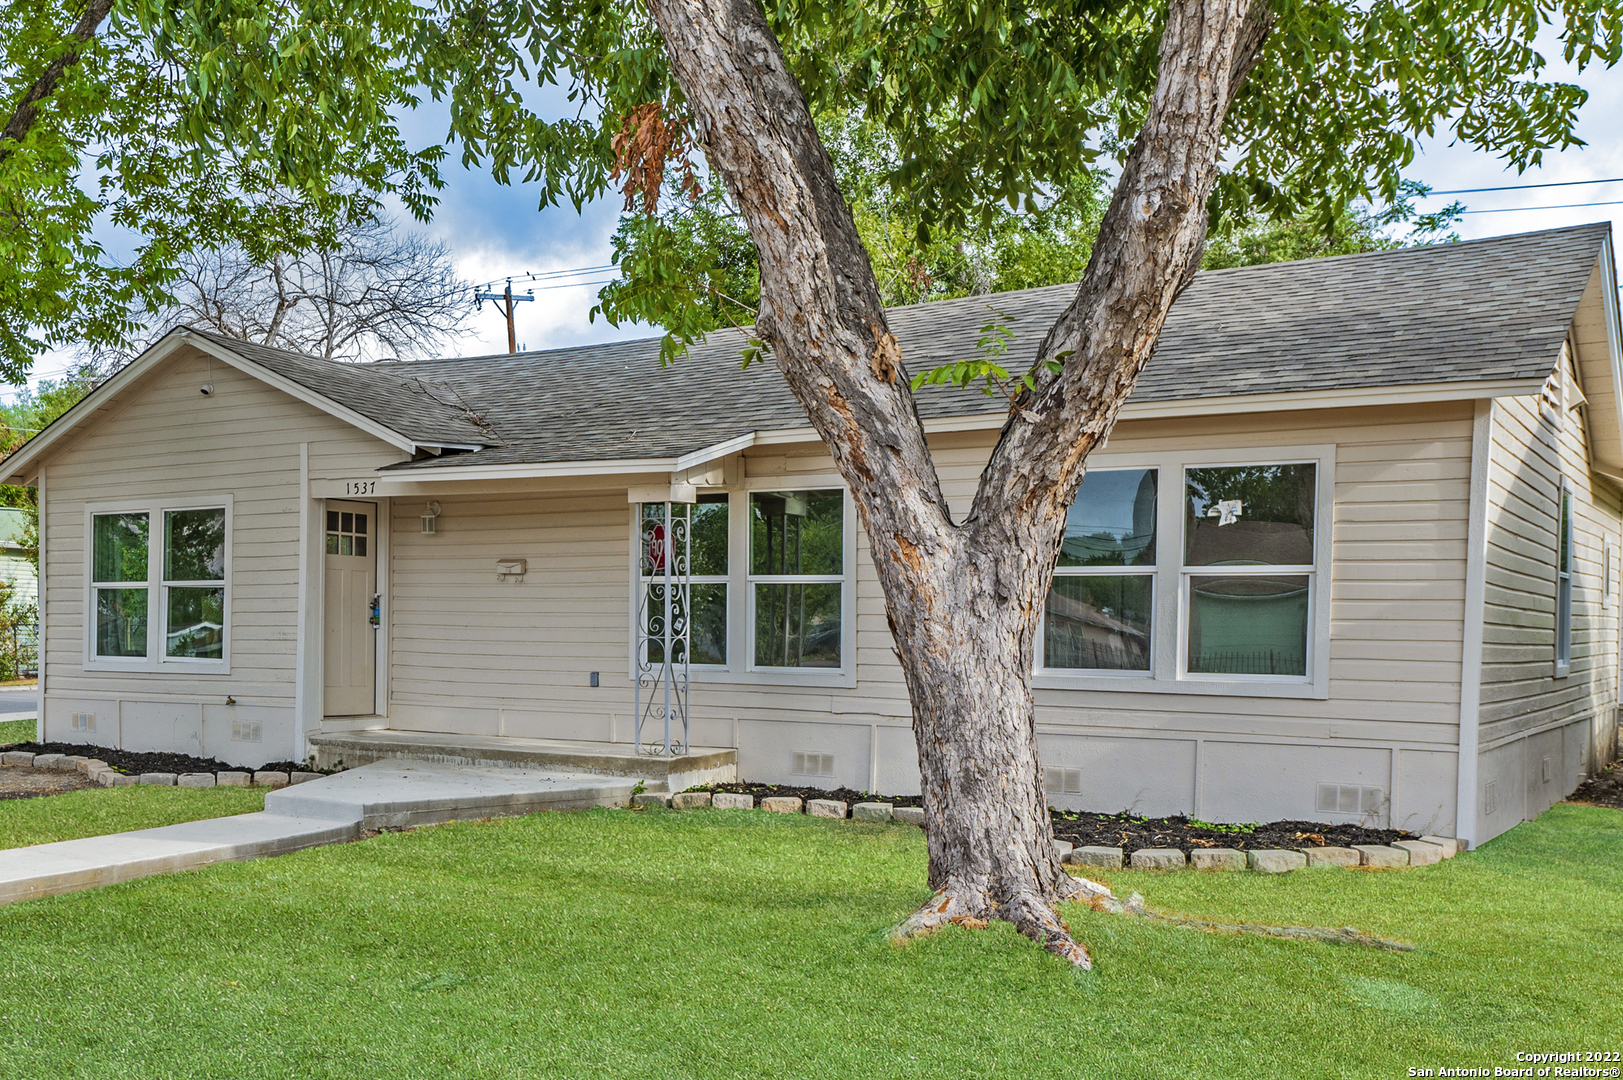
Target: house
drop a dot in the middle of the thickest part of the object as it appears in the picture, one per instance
(1350, 555)
(16, 569)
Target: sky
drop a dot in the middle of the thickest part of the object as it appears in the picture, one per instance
(494, 231)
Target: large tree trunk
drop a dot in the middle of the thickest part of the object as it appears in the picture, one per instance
(965, 600)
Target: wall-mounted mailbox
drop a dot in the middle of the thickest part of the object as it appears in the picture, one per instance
(511, 569)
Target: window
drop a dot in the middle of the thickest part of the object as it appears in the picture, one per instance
(119, 572)
(707, 593)
(158, 588)
(1563, 582)
(194, 583)
(1248, 568)
(796, 577)
(1099, 611)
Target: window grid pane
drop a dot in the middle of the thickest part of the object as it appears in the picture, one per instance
(1248, 625)
(194, 545)
(196, 623)
(797, 625)
(121, 622)
(1112, 521)
(119, 547)
(1250, 515)
(1099, 622)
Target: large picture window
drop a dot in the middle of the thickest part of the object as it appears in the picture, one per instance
(158, 585)
(796, 577)
(1248, 568)
(1100, 609)
(1203, 572)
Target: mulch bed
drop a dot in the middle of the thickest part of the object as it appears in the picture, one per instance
(1606, 789)
(134, 764)
(1131, 832)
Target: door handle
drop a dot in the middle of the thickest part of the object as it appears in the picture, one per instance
(376, 617)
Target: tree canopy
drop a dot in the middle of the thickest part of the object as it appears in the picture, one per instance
(180, 121)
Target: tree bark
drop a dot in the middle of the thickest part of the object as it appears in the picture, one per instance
(27, 110)
(964, 600)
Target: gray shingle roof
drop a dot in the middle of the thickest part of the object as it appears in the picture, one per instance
(1483, 310)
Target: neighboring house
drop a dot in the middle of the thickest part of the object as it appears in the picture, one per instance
(16, 569)
(1350, 554)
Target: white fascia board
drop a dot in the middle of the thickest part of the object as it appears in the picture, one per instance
(1614, 328)
(1221, 406)
(302, 393)
(985, 422)
(719, 450)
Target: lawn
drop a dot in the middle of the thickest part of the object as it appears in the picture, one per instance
(721, 944)
(99, 811)
(16, 731)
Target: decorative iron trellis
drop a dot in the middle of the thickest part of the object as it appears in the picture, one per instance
(663, 627)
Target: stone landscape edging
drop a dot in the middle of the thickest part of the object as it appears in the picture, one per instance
(107, 776)
(1405, 853)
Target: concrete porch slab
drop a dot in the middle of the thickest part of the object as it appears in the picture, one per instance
(401, 793)
(702, 765)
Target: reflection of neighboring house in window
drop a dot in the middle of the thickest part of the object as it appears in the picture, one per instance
(15, 569)
(1082, 636)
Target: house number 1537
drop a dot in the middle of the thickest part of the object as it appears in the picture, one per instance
(360, 487)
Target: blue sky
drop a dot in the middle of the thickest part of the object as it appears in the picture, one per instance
(494, 230)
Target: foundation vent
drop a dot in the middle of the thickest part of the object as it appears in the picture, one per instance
(246, 731)
(1490, 798)
(83, 721)
(804, 764)
(1547, 768)
(1349, 799)
(1062, 781)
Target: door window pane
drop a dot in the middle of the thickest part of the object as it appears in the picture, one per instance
(196, 623)
(1257, 515)
(1112, 521)
(1098, 621)
(119, 547)
(121, 622)
(1251, 625)
(797, 625)
(797, 533)
(194, 545)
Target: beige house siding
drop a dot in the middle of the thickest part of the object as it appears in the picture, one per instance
(1529, 713)
(163, 440)
(471, 654)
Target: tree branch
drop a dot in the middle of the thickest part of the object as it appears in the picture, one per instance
(1149, 246)
(27, 111)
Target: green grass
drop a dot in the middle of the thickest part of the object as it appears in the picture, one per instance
(16, 731)
(99, 811)
(721, 944)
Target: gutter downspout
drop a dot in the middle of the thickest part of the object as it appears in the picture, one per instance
(1476, 573)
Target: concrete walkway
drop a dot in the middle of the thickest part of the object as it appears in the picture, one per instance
(326, 811)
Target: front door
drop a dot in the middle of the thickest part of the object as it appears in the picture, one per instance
(351, 586)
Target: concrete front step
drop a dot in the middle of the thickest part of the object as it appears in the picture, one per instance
(703, 765)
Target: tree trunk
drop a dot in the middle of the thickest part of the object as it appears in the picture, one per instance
(964, 600)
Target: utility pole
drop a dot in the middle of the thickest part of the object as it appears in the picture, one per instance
(504, 301)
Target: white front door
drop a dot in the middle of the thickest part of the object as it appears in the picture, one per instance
(351, 585)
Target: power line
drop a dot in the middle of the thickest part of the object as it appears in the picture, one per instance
(1526, 187)
(550, 275)
(1563, 206)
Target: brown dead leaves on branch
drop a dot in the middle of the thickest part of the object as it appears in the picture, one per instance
(646, 145)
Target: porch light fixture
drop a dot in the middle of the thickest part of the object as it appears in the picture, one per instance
(431, 518)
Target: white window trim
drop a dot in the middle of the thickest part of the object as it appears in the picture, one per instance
(1565, 495)
(157, 605)
(740, 668)
(1169, 639)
